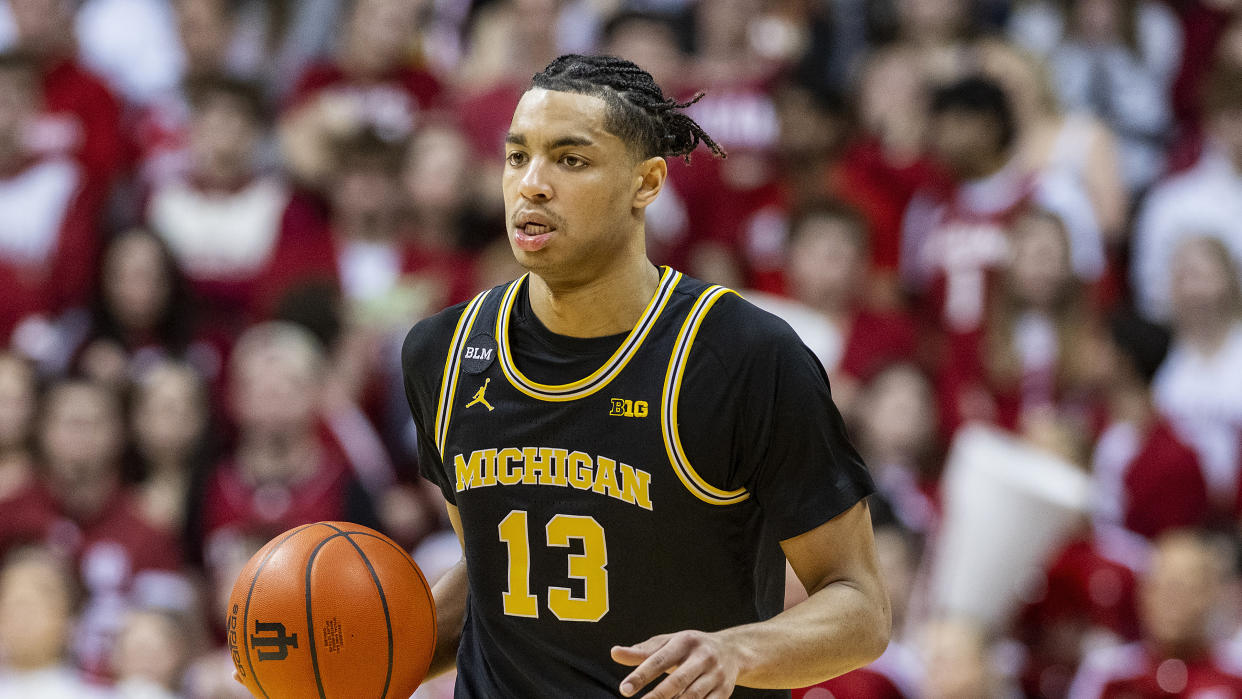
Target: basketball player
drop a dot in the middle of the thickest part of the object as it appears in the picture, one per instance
(629, 455)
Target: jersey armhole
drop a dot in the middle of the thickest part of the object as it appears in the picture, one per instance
(452, 367)
(690, 478)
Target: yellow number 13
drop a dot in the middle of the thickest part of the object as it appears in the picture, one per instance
(590, 567)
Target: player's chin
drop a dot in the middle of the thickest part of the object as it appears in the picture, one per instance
(537, 261)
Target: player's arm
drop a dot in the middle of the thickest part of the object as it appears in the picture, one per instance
(843, 624)
(450, 593)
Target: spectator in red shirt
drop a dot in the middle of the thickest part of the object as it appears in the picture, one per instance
(823, 154)
(1199, 386)
(84, 116)
(1144, 483)
(825, 271)
(956, 235)
(1178, 600)
(371, 82)
(283, 472)
(1028, 356)
(1145, 479)
(81, 509)
(234, 230)
(161, 131)
(47, 213)
(1085, 597)
(446, 208)
(390, 269)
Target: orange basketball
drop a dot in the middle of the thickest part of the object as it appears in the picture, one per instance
(332, 610)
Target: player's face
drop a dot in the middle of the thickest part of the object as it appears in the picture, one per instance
(570, 186)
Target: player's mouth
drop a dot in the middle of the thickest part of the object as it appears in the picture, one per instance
(532, 232)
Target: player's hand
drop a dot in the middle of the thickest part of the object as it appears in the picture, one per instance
(698, 664)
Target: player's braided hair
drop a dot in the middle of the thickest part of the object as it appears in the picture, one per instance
(638, 111)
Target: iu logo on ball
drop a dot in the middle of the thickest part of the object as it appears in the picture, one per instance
(278, 640)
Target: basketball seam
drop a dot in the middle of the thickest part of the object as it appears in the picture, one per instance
(310, 621)
(250, 593)
(383, 603)
(414, 566)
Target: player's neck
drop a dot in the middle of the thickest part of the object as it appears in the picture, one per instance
(608, 304)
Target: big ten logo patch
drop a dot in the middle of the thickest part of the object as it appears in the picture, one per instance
(271, 641)
(478, 354)
(233, 648)
(628, 408)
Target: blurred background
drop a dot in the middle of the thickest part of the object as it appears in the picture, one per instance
(1010, 230)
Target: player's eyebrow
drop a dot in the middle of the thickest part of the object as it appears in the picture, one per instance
(518, 139)
(570, 142)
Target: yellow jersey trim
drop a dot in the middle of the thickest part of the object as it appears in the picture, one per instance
(452, 366)
(601, 376)
(668, 406)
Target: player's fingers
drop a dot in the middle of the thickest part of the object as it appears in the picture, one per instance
(665, 659)
(681, 683)
(635, 654)
(707, 684)
(237, 678)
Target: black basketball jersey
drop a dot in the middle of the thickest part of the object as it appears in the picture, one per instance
(612, 489)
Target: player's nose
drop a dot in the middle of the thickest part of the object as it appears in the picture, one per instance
(535, 184)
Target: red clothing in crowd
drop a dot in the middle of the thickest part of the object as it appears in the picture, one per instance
(392, 103)
(48, 240)
(737, 204)
(952, 246)
(877, 339)
(233, 503)
(33, 515)
(84, 120)
(161, 135)
(894, 675)
(1202, 28)
(440, 277)
(241, 250)
(956, 236)
(121, 560)
(880, 190)
(863, 683)
(1136, 671)
(747, 219)
(1084, 585)
(1083, 590)
(484, 118)
(1149, 482)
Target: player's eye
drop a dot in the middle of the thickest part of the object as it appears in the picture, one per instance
(516, 158)
(573, 161)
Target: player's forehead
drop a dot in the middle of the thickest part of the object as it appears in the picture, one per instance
(546, 117)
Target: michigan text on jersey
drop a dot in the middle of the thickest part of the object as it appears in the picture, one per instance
(552, 466)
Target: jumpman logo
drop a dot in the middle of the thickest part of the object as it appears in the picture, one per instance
(478, 397)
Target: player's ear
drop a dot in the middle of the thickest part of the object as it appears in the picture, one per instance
(650, 174)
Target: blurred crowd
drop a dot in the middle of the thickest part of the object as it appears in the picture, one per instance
(218, 218)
